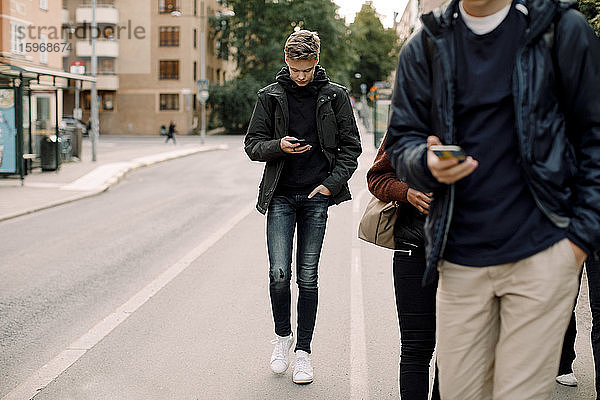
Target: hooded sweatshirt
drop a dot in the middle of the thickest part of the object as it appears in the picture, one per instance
(303, 172)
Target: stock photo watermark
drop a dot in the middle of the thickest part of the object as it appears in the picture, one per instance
(34, 38)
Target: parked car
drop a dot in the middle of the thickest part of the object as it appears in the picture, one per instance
(70, 121)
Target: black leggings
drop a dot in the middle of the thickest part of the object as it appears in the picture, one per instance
(416, 315)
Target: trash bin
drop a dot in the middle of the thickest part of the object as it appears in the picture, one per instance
(48, 153)
(76, 141)
(66, 143)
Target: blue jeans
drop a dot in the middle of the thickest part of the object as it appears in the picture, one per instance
(309, 216)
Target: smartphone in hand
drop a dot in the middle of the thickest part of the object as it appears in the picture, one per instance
(296, 141)
(445, 152)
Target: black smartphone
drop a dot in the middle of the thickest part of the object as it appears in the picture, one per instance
(445, 152)
(300, 141)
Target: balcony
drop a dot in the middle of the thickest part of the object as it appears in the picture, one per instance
(103, 82)
(65, 16)
(104, 15)
(104, 48)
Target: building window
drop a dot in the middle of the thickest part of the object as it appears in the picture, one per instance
(86, 100)
(42, 108)
(195, 38)
(43, 49)
(106, 66)
(169, 36)
(195, 71)
(169, 102)
(17, 37)
(195, 7)
(169, 69)
(108, 101)
(44, 5)
(168, 6)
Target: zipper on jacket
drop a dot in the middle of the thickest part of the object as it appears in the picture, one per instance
(442, 234)
(321, 102)
(561, 222)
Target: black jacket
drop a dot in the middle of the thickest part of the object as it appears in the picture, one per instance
(336, 127)
(556, 90)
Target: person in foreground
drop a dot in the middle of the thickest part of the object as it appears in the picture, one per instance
(303, 127)
(516, 86)
(415, 304)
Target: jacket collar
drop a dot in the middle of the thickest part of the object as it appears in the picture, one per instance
(276, 90)
(540, 16)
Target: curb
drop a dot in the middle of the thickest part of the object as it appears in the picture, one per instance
(116, 178)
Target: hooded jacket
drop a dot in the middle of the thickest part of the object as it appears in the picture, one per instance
(336, 128)
(557, 115)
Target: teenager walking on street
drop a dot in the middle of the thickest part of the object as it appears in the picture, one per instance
(515, 84)
(303, 127)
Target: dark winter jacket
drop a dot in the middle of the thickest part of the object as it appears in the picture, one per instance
(556, 86)
(336, 128)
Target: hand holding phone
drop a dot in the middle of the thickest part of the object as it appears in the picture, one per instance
(448, 164)
(292, 145)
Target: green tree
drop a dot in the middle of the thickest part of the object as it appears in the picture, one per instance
(591, 10)
(255, 37)
(376, 47)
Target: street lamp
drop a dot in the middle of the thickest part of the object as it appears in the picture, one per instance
(202, 83)
(94, 91)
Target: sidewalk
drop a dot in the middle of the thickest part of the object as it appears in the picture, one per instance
(115, 156)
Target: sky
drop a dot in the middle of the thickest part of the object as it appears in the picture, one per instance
(386, 8)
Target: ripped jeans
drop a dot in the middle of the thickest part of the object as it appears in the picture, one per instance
(309, 216)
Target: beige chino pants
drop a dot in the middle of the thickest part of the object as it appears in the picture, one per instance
(500, 329)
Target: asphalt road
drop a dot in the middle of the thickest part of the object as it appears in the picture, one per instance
(182, 237)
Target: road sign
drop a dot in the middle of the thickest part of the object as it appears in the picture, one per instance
(202, 90)
(77, 67)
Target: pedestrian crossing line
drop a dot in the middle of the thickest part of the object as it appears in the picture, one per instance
(33, 385)
(359, 384)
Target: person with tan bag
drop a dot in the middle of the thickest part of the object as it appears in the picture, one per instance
(415, 303)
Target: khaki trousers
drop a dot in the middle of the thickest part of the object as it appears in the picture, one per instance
(500, 328)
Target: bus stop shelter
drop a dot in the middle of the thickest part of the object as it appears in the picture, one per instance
(22, 134)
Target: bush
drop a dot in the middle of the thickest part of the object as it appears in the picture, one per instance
(232, 103)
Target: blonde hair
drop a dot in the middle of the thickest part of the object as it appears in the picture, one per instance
(302, 45)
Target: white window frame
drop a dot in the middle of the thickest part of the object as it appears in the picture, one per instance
(17, 45)
(44, 5)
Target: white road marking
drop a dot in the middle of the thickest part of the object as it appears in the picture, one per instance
(359, 383)
(59, 364)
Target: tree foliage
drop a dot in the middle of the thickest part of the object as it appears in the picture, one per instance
(254, 37)
(591, 10)
(376, 47)
(232, 103)
(257, 34)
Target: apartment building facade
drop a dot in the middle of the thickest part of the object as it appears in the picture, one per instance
(409, 20)
(32, 82)
(149, 61)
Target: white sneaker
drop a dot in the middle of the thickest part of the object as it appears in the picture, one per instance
(567, 379)
(280, 359)
(303, 371)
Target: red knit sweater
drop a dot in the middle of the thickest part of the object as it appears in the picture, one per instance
(382, 181)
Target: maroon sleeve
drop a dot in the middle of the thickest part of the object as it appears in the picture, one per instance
(382, 181)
